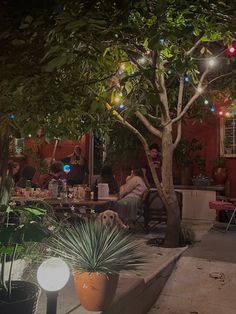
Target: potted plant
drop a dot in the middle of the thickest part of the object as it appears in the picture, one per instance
(185, 156)
(228, 145)
(220, 171)
(96, 254)
(19, 225)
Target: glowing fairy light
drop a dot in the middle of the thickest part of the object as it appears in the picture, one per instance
(186, 78)
(117, 99)
(212, 62)
(206, 102)
(212, 109)
(220, 113)
(142, 60)
(227, 114)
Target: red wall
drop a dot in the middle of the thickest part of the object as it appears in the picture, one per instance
(208, 133)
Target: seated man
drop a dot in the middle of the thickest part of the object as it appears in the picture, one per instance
(131, 194)
(55, 172)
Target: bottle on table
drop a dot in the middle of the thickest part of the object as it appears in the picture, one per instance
(95, 192)
(27, 188)
(53, 188)
(87, 195)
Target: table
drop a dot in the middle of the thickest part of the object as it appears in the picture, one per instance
(67, 208)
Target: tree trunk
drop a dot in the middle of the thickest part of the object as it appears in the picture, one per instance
(172, 206)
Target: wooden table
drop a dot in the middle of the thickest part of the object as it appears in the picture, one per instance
(67, 208)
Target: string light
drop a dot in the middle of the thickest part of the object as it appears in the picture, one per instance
(231, 49)
(220, 113)
(162, 40)
(142, 60)
(117, 99)
(206, 102)
(212, 109)
(227, 114)
(186, 78)
(211, 62)
(122, 106)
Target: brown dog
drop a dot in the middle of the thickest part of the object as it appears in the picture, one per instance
(111, 219)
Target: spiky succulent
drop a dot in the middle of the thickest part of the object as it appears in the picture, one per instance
(92, 247)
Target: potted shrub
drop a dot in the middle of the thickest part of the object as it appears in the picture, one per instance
(185, 156)
(19, 225)
(96, 254)
(220, 171)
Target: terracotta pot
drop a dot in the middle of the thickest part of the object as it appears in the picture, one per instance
(95, 290)
(186, 174)
(220, 175)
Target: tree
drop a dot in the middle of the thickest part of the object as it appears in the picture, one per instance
(149, 60)
(29, 99)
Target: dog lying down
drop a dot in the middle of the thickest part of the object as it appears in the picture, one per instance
(111, 219)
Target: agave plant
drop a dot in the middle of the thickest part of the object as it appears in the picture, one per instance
(92, 247)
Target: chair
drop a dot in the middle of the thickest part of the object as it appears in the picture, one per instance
(228, 207)
(155, 211)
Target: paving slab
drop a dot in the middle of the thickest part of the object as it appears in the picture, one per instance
(207, 287)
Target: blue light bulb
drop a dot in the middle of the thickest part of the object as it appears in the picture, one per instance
(186, 78)
(212, 109)
(66, 168)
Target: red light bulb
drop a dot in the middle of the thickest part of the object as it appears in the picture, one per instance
(231, 49)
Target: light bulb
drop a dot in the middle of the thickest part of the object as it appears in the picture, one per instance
(211, 62)
(220, 113)
(206, 102)
(53, 274)
(231, 49)
(142, 60)
(117, 99)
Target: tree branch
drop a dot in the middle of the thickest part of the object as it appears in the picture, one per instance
(193, 98)
(218, 77)
(190, 51)
(148, 125)
(179, 108)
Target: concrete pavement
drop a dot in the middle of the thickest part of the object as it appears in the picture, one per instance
(204, 279)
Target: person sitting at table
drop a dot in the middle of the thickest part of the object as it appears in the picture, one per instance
(78, 168)
(130, 196)
(55, 172)
(27, 174)
(107, 177)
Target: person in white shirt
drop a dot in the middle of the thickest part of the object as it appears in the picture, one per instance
(130, 196)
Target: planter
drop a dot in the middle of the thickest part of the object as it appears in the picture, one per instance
(95, 290)
(220, 175)
(186, 174)
(24, 298)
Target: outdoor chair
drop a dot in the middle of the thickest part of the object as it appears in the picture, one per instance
(228, 208)
(155, 211)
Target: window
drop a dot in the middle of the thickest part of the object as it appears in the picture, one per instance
(228, 137)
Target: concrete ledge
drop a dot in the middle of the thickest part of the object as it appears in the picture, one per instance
(138, 291)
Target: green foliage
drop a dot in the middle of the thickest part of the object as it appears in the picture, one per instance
(19, 225)
(220, 162)
(187, 235)
(185, 153)
(93, 247)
